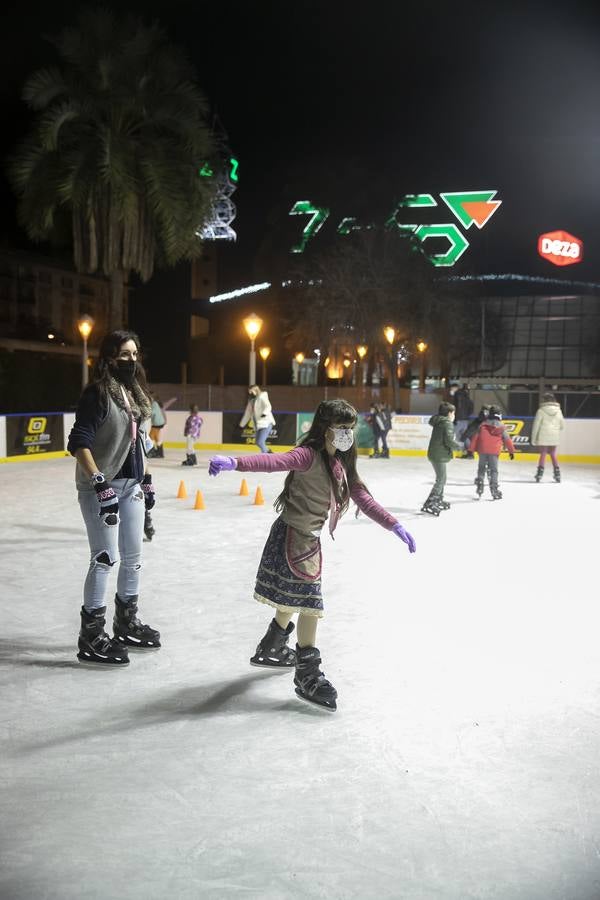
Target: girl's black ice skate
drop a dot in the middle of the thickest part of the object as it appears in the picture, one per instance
(96, 648)
(496, 493)
(479, 487)
(311, 684)
(557, 473)
(431, 506)
(539, 474)
(273, 651)
(129, 630)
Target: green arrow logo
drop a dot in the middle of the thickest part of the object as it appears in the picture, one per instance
(473, 207)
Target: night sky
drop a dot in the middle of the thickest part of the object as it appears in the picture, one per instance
(354, 104)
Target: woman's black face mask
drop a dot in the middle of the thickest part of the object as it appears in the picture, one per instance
(125, 371)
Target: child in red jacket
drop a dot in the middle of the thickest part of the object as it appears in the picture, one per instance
(491, 438)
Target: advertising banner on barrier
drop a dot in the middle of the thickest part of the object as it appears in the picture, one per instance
(284, 432)
(519, 431)
(409, 433)
(26, 435)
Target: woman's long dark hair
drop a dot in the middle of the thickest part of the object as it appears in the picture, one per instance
(329, 413)
(106, 366)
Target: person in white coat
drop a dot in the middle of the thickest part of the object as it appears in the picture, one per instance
(259, 410)
(545, 433)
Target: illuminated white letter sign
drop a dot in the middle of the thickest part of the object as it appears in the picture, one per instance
(560, 248)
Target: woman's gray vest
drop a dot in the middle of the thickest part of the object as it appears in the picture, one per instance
(111, 445)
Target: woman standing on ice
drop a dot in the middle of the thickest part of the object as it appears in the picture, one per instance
(545, 433)
(258, 408)
(114, 489)
(322, 480)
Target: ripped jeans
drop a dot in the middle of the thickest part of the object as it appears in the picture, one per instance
(120, 543)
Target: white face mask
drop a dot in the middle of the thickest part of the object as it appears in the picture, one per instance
(342, 438)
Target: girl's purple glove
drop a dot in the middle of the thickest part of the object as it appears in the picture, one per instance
(403, 534)
(221, 464)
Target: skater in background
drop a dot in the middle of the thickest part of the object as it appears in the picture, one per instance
(472, 429)
(464, 410)
(380, 420)
(545, 433)
(491, 438)
(191, 433)
(258, 408)
(440, 451)
(321, 482)
(158, 420)
(114, 489)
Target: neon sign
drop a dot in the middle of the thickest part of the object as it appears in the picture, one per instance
(469, 207)
(560, 248)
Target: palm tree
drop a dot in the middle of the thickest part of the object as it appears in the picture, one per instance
(119, 132)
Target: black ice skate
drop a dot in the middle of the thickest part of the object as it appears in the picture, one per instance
(496, 493)
(557, 473)
(273, 651)
(311, 684)
(431, 506)
(149, 529)
(443, 504)
(190, 460)
(539, 473)
(95, 646)
(479, 487)
(129, 630)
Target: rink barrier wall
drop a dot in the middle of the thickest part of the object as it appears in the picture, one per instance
(44, 435)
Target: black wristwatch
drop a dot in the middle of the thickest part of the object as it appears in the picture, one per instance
(97, 478)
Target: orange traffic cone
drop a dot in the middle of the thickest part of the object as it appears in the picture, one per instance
(244, 488)
(199, 504)
(259, 500)
(181, 493)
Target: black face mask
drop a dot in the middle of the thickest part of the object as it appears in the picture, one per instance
(125, 371)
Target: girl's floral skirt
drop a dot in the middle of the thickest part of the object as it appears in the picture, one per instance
(289, 574)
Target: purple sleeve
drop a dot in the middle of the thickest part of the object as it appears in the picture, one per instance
(372, 508)
(299, 460)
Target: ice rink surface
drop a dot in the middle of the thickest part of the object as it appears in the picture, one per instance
(463, 761)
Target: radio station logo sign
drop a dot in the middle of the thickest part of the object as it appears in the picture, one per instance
(560, 248)
(26, 435)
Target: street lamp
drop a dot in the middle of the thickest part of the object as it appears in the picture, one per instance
(390, 336)
(85, 325)
(264, 353)
(362, 352)
(252, 325)
(422, 348)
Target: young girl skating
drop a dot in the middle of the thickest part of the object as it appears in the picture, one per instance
(322, 480)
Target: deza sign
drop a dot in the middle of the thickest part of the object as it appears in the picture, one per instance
(560, 248)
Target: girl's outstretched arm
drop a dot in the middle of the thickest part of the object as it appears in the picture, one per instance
(371, 508)
(299, 459)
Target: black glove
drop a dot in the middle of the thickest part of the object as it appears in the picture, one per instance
(109, 504)
(148, 489)
(511, 455)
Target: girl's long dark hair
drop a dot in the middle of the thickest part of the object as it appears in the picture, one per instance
(328, 413)
(104, 371)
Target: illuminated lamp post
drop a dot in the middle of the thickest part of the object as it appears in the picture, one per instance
(296, 369)
(264, 353)
(362, 352)
(252, 325)
(85, 325)
(390, 336)
(422, 348)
